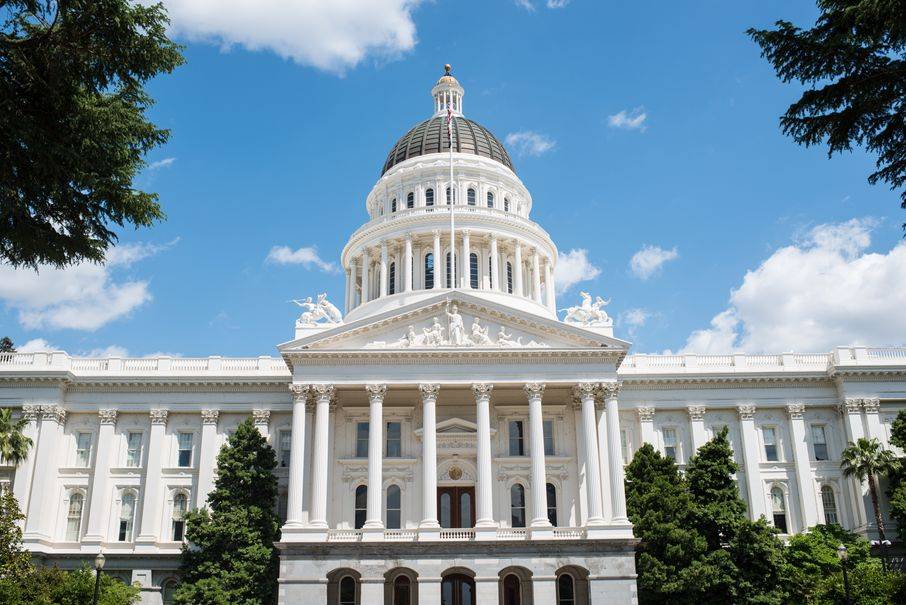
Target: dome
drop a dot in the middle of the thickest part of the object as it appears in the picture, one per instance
(430, 136)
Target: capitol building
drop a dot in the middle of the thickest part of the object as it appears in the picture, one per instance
(448, 437)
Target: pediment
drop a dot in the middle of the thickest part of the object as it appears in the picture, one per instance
(455, 321)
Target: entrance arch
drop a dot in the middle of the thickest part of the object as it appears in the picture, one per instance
(457, 587)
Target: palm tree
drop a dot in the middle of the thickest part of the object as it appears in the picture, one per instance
(13, 444)
(867, 459)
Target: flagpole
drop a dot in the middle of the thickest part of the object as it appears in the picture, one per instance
(452, 200)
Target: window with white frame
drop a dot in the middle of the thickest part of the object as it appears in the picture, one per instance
(83, 450)
(769, 436)
(517, 438)
(624, 445)
(548, 429)
(74, 516)
(180, 505)
(778, 508)
(394, 507)
(394, 438)
(829, 504)
(285, 441)
(134, 449)
(671, 449)
(361, 440)
(184, 451)
(819, 442)
(127, 516)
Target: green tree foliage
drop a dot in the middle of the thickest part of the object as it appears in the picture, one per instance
(867, 460)
(73, 130)
(14, 444)
(853, 63)
(231, 557)
(897, 490)
(6, 345)
(15, 562)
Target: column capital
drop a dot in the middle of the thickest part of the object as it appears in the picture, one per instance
(611, 389)
(53, 413)
(646, 414)
(585, 390)
(30, 412)
(482, 390)
(300, 392)
(872, 405)
(696, 412)
(159, 416)
(261, 417)
(210, 416)
(323, 391)
(796, 411)
(534, 390)
(429, 390)
(493, 236)
(746, 411)
(851, 405)
(376, 392)
(408, 236)
(107, 416)
(465, 232)
(435, 232)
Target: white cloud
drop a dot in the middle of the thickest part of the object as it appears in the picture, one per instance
(111, 351)
(629, 119)
(529, 6)
(36, 344)
(649, 260)
(527, 142)
(81, 297)
(557, 3)
(526, 4)
(307, 256)
(573, 267)
(824, 291)
(634, 318)
(164, 163)
(332, 36)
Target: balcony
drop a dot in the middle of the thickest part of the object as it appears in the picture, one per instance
(466, 534)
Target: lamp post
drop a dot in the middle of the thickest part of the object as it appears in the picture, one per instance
(842, 554)
(98, 567)
(882, 546)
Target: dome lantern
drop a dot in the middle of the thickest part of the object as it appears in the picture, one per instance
(447, 92)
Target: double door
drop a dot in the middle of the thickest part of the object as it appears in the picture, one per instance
(456, 506)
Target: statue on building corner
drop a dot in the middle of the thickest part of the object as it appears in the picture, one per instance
(588, 314)
(318, 313)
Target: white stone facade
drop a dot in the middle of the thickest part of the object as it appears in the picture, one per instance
(435, 439)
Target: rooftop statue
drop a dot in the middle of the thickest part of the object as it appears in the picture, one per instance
(318, 313)
(588, 314)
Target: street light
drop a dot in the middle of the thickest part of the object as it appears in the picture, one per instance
(882, 545)
(98, 567)
(843, 556)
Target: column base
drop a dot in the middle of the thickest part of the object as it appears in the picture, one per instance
(302, 533)
(429, 534)
(542, 532)
(485, 533)
(373, 533)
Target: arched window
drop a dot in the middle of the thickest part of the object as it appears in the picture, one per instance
(402, 590)
(448, 196)
(829, 503)
(361, 505)
(410, 200)
(449, 272)
(473, 271)
(74, 517)
(512, 595)
(168, 592)
(127, 516)
(180, 504)
(348, 591)
(517, 505)
(393, 205)
(778, 506)
(429, 197)
(393, 507)
(552, 504)
(391, 282)
(509, 277)
(506, 205)
(470, 197)
(429, 271)
(490, 200)
(566, 590)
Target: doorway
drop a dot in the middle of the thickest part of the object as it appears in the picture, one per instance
(457, 589)
(456, 506)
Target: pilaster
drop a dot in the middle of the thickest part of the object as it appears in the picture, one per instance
(807, 493)
(752, 461)
(152, 500)
(100, 498)
(39, 521)
(207, 458)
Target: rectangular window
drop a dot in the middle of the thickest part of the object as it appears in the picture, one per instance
(517, 438)
(282, 506)
(670, 443)
(83, 449)
(134, 449)
(548, 437)
(769, 434)
(361, 440)
(624, 446)
(819, 442)
(394, 440)
(184, 458)
(286, 443)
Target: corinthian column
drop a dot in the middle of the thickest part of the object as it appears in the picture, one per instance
(151, 499)
(207, 459)
(536, 277)
(534, 392)
(366, 277)
(495, 265)
(97, 512)
(808, 501)
(407, 273)
(438, 263)
(617, 490)
(465, 265)
(585, 393)
(383, 283)
(319, 465)
(374, 519)
(429, 456)
(517, 268)
(296, 456)
(485, 476)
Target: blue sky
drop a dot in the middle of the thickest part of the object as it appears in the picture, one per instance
(281, 120)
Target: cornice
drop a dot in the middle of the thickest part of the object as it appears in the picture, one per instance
(702, 381)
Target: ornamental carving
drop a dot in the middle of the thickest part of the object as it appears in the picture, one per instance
(696, 412)
(323, 391)
(429, 391)
(318, 313)
(610, 390)
(646, 414)
(482, 391)
(300, 392)
(209, 416)
(796, 411)
(534, 390)
(107, 416)
(159, 416)
(585, 390)
(746, 412)
(872, 405)
(53, 413)
(30, 412)
(376, 392)
(588, 313)
(851, 405)
(262, 417)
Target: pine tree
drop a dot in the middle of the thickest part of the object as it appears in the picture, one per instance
(230, 558)
(715, 494)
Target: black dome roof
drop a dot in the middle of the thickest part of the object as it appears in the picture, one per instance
(430, 136)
